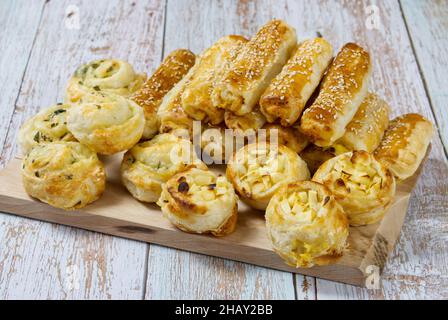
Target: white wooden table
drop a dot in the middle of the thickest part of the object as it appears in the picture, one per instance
(42, 42)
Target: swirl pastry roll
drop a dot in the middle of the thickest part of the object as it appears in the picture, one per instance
(314, 156)
(404, 144)
(65, 175)
(108, 124)
(287, 136)
(196, 99)
(306, 225)
(253, 120)
(288, 93)
(107, 75)
(342, 92)
(362, 185)
(173, 68)
(366, 129)
(258, 170)
(49, 125)
(258, 62)
(198, 201)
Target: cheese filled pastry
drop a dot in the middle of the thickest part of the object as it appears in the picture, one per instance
(342, 91)
(362, 185)
(253, 120)
(66, 175)
(314, 156)
(150, 164)
(287, 136)
(49, 125)
(306, 225)
(173, 68)
(107, 75)
(258, 62)
(404, 144)
(199, 201)
(107, 124)
(288, 93)
(196, 99)
(258, 170)
(366, 129)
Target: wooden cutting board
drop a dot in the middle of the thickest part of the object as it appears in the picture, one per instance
(118, 213)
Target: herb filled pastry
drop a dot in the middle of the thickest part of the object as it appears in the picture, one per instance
(404, 144)
(287, 136)
(342, 91)
(49, 125)
(149, 164)
(107, 75)
(65, 175)
(366, 129)
(288, 93)
(258, 170)
(196, 99)
(173, 68)
(198, 201)
(107, 124)
(258, 62)
(362, 185)
(306, 225)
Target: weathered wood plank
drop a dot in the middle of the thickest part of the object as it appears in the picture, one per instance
(427, 22)
(41, 260)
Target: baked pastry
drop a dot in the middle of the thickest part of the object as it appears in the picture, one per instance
(404, 144)
(65, 175)
(288, 136)
(288, 93)
(258, 170)
(196, 99)
(240, 124)
(306, 225)
(150, 164)
(198, 201)
(342, 92)
(258, 62)
(362, 185)
(173, 68)
(107, 75)
(314, 156)
(366, 129)
(107, 123)
(49, 125)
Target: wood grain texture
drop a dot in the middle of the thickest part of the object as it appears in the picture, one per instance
(42, 260)
(427, 23)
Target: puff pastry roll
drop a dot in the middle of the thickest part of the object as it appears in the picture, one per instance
(342, 92)
(314, 156)
(198, 201)
(362, 185)
(404, 144)
(258, 170)
(258, 62)
(288, 136)
(288, 93)
(306, 225)
(107, 75)
(173, 68)
(107, 124)
(49, 125)
(149, 164)
(65, 175)
(253, 120)
(196, 99)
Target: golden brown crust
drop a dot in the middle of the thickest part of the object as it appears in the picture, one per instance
(252, 120)
(287, 136)
(314, 156)
(404, 144)
(259, 61)
(196, 99)
(288, 93)
(342, 92)
(173, 68)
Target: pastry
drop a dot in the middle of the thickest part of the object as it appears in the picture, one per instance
(342, 92)
(306, 225)
(404, 144)
(288, 136)
(288, 93)
(198, 201)
(314, 156)
(362, 185)
(240, 124)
